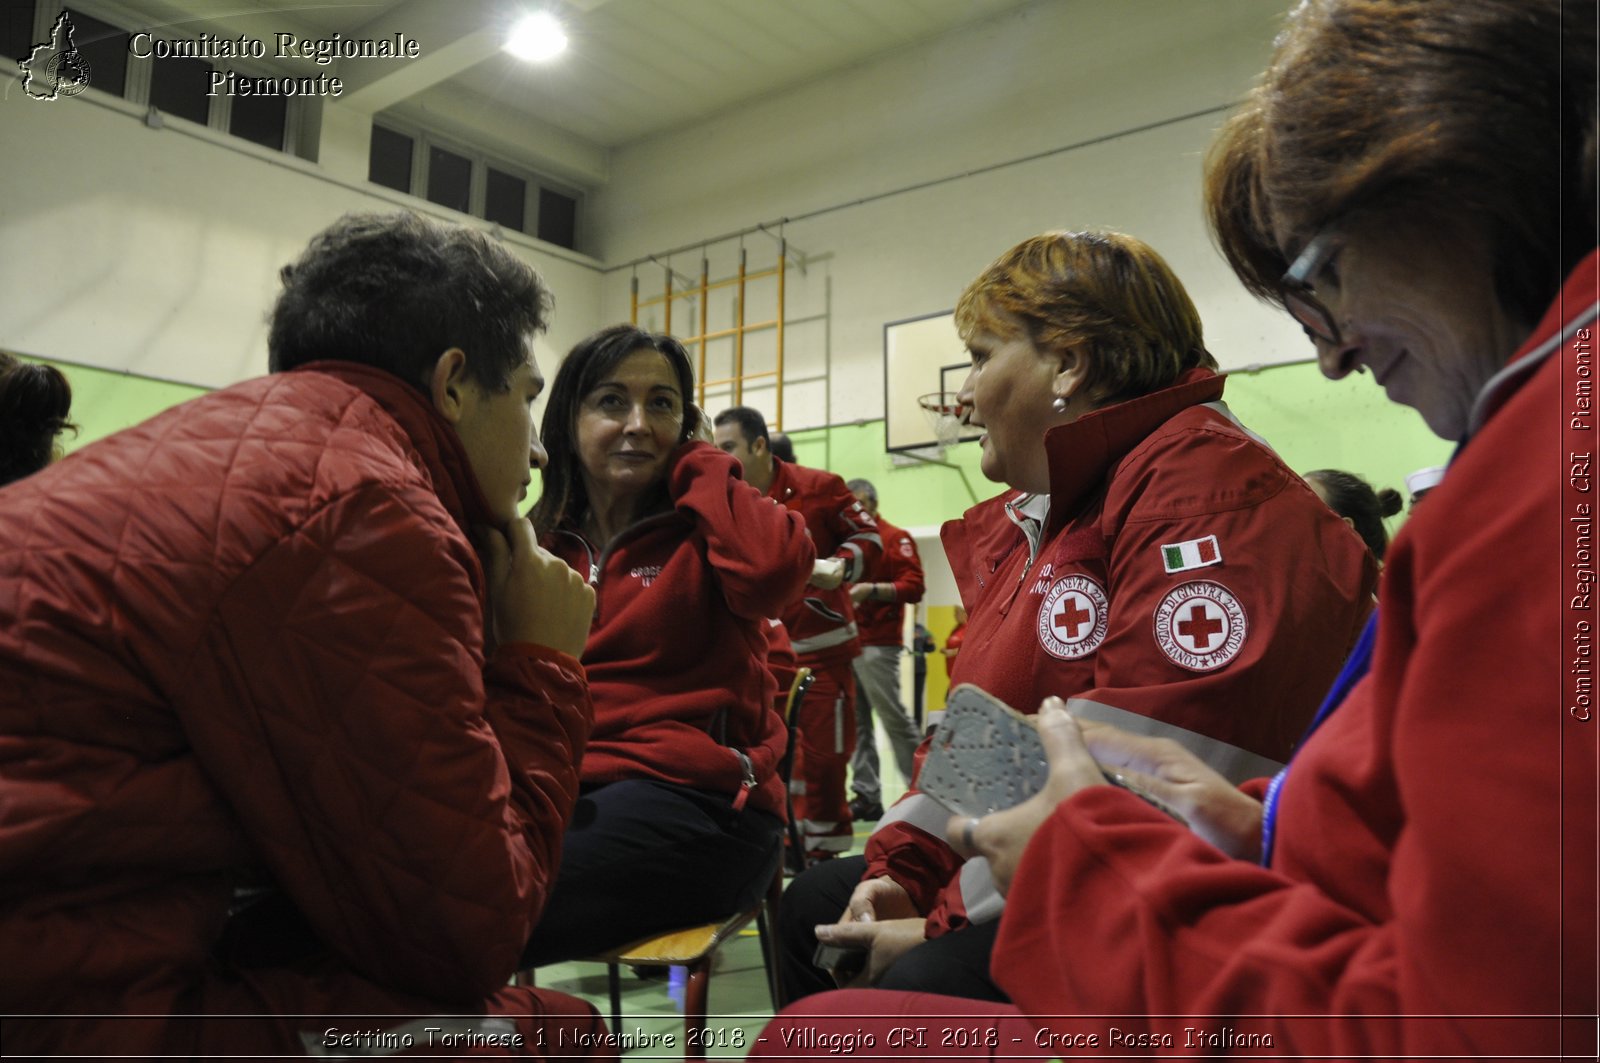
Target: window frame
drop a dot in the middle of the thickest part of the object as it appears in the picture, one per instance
(424, 139)
(141, 70)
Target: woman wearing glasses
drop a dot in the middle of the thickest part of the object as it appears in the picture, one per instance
(1427, 881)
(35, 401)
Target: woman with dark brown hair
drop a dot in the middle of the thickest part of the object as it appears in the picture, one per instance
(1362, 507)
(1415, 182)
(680, 813)
(34, 402)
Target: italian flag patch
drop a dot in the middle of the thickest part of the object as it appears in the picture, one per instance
(1195, 553)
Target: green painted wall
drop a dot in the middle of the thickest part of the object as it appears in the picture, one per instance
(104, 402)
(1312, 422)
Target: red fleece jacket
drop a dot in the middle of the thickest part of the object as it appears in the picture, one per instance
(677, 654)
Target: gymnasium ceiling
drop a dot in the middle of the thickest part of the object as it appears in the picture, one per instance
(634, 69)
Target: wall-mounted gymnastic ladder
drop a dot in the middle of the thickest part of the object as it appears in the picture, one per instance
(738, 331)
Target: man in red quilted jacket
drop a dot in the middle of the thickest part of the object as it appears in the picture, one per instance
(290, 710)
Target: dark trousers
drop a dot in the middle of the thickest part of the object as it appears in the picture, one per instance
(642, 857)
(954, 964)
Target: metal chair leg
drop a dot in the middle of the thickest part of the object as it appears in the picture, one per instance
(614, 983)
(767, 929)
(695, 991)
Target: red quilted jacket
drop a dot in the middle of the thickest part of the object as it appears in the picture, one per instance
(242, 655)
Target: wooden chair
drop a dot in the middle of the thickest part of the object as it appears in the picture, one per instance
(695, 948)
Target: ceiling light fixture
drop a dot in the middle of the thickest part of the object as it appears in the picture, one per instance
(536, 38)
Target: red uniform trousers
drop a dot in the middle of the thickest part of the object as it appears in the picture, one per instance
(826, 730)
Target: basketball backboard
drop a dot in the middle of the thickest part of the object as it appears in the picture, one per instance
(920, 355)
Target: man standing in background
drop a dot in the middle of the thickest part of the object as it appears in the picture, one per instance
(822, 623)
(880, 600)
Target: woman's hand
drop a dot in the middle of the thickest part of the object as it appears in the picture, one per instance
(884, 941)
(876, 899)
(881, 919)
(1002, 836)
(1213, 806)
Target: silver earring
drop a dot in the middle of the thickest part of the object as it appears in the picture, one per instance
(1059, 405)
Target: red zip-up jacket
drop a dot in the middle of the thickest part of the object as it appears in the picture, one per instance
(822, 624)
(1185, 583)
(883, 623)
(677, 654)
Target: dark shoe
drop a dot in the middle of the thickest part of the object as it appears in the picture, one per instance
(862, 808)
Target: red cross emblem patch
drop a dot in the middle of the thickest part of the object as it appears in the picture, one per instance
(1072, 618)
(1201, 626)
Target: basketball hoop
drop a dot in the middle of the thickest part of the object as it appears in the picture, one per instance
(946, 416)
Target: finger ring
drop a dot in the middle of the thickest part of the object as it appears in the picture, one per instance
(966, 832)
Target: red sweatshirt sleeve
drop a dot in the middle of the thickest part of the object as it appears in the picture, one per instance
(905, 566)
(761, 552)
(860, 545)
(408, 795)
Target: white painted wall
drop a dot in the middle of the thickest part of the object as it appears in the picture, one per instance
(1053, 74)
(156, 251)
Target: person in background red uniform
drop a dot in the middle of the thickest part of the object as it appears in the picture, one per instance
(1363, 508)
(286, 759)
(821, 622)
(682, 807)
(880, 599)
(1153, 561)
(952, 648)
(1420, 882)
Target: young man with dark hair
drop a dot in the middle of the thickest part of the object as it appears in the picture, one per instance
(821, 624)
(290, 709)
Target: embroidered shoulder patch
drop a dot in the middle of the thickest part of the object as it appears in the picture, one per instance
(1193, 553)
(1201, 626)
(1072, 618)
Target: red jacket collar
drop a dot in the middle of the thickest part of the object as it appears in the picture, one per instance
(780, 487)
(438, 447)
(1082, 452)
(1574, 306)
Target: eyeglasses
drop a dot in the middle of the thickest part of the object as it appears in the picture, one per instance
(1299, 296)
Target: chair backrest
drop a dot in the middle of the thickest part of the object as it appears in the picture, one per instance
(803, 678)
